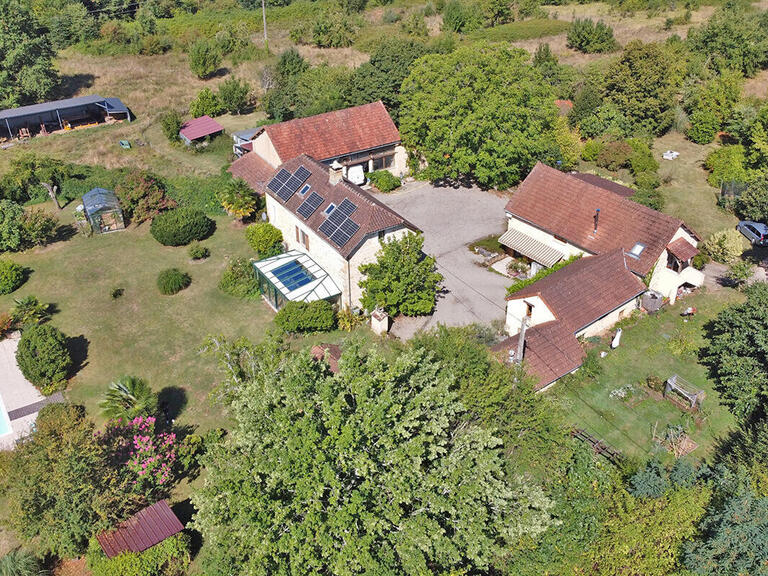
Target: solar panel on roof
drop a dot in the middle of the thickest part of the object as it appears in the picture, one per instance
(309, 205)
(302, 173)
(274, 185)
(282, 176)
(349, 227)
(293, 275)
(285, 193)
(340, 238)
(277, 182)
(347, 207)
(327, 228)
(336, 218)
(293, 184)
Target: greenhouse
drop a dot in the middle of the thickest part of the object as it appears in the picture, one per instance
(102, 210)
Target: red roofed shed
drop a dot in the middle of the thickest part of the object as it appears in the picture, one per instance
(141, 531)
(199, 128)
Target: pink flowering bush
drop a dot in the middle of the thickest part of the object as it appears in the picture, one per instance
(148, 457)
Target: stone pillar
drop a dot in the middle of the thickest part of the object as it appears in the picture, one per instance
(380, 322)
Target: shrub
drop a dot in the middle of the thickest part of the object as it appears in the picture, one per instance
(333, 30)
(234, 95)
(197, 251)
(169, 557)
(206, 103)
(265, 239)
(348, 320)
(647, 180)
(650, 197)
(11, 231)
(11, 276)
(181, 226)
(172, 280)
(590, 37)
(414, 25)
(38, 227)
(704, 126)
(239, 279)
(238, 198)
(43, 357)
(142, 196)
(614, 155)
(384, 181)
(739, 273)
(641, 159)
(170, 123)
(204, 59)
(315, 316)
(591, 150)
(700, 260)
(726, 164)
(725, 246)
(29, 311)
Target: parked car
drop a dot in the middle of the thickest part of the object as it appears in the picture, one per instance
(756, 232)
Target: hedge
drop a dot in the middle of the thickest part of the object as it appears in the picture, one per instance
(315, 316)
(544, 272)
(169, 557)
(181, 226)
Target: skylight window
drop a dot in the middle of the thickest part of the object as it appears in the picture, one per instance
(304, 190)
(637, 250)
(330, 209)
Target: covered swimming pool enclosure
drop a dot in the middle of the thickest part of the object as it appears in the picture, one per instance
(102, 209)
(294, 277)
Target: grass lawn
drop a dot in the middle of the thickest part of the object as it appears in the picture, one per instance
(688, 195)
(142, 333)
(648, 348)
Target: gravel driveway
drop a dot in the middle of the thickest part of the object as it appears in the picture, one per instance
(451, 218)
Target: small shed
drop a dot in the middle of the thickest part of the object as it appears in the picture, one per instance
(199, 128)
(102, 209)
(141, 531)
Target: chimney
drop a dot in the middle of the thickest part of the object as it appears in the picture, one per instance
(597, 219)
(336, 173)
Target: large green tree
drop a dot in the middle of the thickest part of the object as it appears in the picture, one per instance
(480, 112)
(643, 86)
(402, 280)
(737, 353)
(26, 56)
(57, 487)
(381, 78)
(370, 471)
(734, 541)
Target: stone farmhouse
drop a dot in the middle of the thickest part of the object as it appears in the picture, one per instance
(363, 137)
(330, 227)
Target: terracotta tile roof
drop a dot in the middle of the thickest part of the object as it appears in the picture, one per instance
(578, 295)
(561, 204)
(682, 249)
(330, 353)
(334, 134)
(551, 351)
(253, 169)
(371, 215)
(141, 531)
(586, 290)
(200, 127)
(615, 187)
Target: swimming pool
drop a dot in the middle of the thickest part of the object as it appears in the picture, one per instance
(5, 422)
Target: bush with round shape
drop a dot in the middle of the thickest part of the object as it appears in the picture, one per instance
(11, 276)
(239, 280)
(591, 150)
(647, 180)
(704, 126)
(384, 181)
(591, 37)
(172, 280)
(297, 317)
(181, 226)
(700, 260)
(614, 155)
(43, 357)
(265, 239)
(725, 246)
(197, 251)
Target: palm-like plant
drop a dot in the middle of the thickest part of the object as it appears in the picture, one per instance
(20, 563)
(128, 397)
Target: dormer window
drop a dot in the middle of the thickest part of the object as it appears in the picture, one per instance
(637, 250)
(331, 208)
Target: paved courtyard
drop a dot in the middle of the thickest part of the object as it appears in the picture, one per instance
(451, 218)
(21, 399)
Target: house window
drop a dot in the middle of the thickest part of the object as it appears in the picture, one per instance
(384, 162)
(528, 309)
(673, 263)
(305, 240)
(381, 235)
(297, 234)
